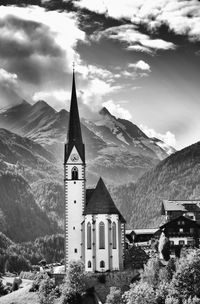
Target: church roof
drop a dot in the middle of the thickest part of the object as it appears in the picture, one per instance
(74, 136)
(74, 130)
(99, 201)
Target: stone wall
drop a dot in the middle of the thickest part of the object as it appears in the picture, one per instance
(103, 281)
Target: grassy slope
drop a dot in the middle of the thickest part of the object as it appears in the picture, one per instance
(21, 296)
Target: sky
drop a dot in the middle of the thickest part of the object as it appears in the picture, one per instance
(140, 59)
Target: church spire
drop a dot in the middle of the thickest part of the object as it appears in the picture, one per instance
(74, 130)
(74, 135)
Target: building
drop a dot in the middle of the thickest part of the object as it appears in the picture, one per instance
(182, 231)
(94, 227)
(172, 209)
(141, 237)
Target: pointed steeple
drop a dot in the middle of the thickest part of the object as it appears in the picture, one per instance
(74, 135)
(74, 130)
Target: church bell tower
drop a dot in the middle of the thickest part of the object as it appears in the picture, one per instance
(74, 182)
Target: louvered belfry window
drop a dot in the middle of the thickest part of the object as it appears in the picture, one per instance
(74, 173)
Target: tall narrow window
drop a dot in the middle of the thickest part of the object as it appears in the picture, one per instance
(114, 235)
(101, 235)
(89, 264)
(74, 173)
(89, 236)
(102, 264)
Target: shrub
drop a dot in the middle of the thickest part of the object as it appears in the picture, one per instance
(38, 279)
(47, 292)
(141, 293)
(115, 296)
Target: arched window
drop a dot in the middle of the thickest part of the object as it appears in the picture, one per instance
(74, 173)
(101, 235)
(89, 264)
(114, 235)
(89, 236)
(102, 264)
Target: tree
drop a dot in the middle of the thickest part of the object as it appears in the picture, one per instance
(140, 293)
(115, 296)
(74, 284)
(151, 271)
(47, 292)
(186, 280)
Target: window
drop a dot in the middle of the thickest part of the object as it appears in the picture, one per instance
(114, 235)
(75, 250)
(74, 202)
(181, 230)
(171, 243)
(191, 230)
(89, 236)
(74, 173)
(181, 242)
(101, 235)
(89, 264)
(73, 228)
(102, 264)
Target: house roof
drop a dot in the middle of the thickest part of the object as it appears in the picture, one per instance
(99, 201)
(182, 205)
(182, 217)
(173, 206)
(145, 231)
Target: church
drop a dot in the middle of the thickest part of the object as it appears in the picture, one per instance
(94, 227)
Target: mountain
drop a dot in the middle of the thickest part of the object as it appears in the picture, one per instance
(21, 218)
(176, 177)
(116, 149)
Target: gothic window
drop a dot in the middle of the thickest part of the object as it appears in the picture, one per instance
(74, 173)
(89, 264)
(114, 235)
(101, 235)
(89, 236)
(102, 264)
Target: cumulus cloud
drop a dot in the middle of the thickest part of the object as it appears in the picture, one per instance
(10, 92)
(183, 17)
(37, 44)
(141, 65)
(169, 138)
(117, 110)
(129, 34)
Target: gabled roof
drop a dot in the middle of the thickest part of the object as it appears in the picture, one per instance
(100, 201)
(182, 205)
(184, 218)
(173, 206)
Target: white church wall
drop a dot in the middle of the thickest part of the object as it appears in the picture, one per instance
(74, 199)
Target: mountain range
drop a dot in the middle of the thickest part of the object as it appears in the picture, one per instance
(137, 169)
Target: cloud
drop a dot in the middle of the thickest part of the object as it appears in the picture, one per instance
(56, 98)
(133, 39)
(37, 44)
(141, 65)
(182, 17)
(169, 138)
(116, 110)
(10, 91)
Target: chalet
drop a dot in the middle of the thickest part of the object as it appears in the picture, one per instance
(182, 231)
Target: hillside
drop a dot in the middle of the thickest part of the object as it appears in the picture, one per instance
(21, 218)
(176, 177)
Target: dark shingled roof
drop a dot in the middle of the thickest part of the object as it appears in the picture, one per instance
(99, 201)
(74, 136)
